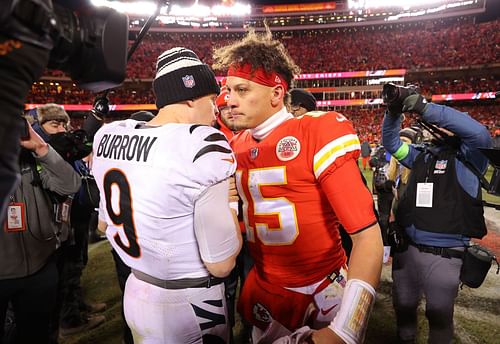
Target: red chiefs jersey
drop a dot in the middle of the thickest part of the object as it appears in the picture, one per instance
(291, 225)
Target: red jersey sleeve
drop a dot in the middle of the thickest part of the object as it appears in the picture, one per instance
(334, 141)
(336, 150)
(349, 197)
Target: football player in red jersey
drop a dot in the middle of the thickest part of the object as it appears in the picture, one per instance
(298, 179)
(224, 118)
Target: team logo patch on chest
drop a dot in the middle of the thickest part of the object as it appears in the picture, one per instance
(440, 167)
(254, 152)
(287, 148)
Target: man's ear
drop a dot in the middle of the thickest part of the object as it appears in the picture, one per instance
(190, 103)
(277, 95)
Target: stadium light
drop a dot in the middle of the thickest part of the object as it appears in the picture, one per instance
(136, 7)
(405, 4)
(236, 10)
(196, 10)
(429, 10)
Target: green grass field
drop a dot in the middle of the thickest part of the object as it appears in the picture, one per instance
(486, 196)
(477, 312)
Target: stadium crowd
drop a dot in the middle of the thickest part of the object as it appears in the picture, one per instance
(140, 93)
(466, 44)
(366, 120)
(454, 45)
(369, 121)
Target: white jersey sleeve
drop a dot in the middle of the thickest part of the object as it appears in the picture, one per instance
(215, 230)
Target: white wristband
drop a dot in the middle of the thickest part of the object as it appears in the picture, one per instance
(234, 206)
(352, 319)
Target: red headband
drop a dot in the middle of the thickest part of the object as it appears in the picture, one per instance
(258, 75)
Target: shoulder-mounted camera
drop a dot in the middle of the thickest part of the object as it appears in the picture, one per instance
(87, 42)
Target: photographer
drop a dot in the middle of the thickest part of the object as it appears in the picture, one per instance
(52, 124)
(439, 212)
(38, 217)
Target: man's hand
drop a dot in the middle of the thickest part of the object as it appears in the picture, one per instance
(324, 336)
(102, 226)
(233, 192)
(35, 143)
(101, 107)
(415, 103)
(233, 195)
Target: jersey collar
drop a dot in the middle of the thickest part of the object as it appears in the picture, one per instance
(264, 129)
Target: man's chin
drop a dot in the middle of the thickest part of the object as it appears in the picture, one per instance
(237, 124)
(235, 127)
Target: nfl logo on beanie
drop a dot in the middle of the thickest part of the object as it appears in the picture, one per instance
(180, 76)
(188, 81)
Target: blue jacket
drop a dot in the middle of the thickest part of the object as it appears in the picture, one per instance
(473, 135)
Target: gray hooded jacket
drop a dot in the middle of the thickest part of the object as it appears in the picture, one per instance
(24, 253)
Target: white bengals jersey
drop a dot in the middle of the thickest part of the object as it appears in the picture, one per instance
(149, 180)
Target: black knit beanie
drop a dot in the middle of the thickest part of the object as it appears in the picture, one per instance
(180, 75)
(303, 98)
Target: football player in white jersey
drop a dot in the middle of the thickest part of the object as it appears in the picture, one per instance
(164, 188)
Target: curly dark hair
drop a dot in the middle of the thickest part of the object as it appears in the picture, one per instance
(259, 50)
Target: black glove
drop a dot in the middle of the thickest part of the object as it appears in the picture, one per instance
(415, 103)
(101, 107)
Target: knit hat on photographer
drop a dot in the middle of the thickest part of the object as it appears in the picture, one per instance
(51, 112)
(180, 75)
(409, 133)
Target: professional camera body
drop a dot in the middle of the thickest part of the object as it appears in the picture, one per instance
(393, 95)
(89, 43)
(72, 145)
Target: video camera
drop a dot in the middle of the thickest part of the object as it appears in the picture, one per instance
(89, 43)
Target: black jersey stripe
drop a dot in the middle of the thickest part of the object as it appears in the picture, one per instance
(214, 318)
(210, 148)
(215, 137)
(193, 127)
(216, 303)
(210, 138)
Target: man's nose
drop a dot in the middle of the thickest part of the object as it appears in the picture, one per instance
(231, 100)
